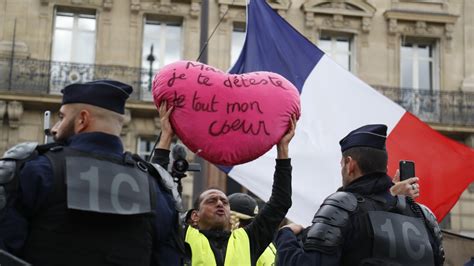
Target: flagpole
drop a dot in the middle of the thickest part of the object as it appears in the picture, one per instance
(200, 178)
(204, 31)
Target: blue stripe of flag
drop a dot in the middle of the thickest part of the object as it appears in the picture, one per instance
(272, 44)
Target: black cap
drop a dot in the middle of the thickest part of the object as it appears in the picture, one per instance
(243, 203)
(373, 136)
(189, 213)
(108, 94)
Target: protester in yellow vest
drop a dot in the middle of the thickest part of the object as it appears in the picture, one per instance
(213, 243)
(243, 209)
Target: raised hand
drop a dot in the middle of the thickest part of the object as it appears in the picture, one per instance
(282, 146)
(409, 187)
(167, 132)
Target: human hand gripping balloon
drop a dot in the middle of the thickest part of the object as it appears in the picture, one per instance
(167, 132)
(226, 119)
(282, 146)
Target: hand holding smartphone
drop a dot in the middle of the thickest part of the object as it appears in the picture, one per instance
(407, 169)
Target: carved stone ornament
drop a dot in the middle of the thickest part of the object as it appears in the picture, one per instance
(14, 111)
(222, 10)
(3, 110)
(448, 30)
(420, 27)
(275, 4)
(108, 4)
(355, 14)
(421, 23)
(135, 5)
(309, 19)
(281, 6)
(366, 24)
(195, 9)
(392, 25)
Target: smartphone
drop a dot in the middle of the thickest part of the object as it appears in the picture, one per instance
(407, 169)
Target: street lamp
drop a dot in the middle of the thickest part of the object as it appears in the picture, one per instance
(150, 58)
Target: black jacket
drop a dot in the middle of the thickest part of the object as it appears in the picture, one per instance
(262, 229)
(371, 193)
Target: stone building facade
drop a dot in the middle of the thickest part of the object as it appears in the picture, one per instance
(420, 53)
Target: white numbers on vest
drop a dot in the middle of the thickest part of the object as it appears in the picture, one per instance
(388, 228)
(106, 187)
(415, 253)
(92, 176)
(94, 191)
(119, 180)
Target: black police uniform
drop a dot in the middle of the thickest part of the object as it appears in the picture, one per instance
(86, 202)
(363, 224)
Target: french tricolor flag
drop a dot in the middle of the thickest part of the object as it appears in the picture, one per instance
(334, 102)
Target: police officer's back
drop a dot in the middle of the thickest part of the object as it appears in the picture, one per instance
(86, 202)
(362, 223)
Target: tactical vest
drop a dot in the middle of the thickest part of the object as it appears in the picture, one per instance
(380, 234)
(238, 248)
(100, 212)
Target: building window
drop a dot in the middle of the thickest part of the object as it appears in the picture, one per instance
(166, 39)
(339, 48)
(237, 42)
(74, 37)
(418, 65)
(163, 40)
(73, 48)
(145, 147)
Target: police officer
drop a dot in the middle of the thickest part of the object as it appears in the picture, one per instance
(86, 202)
(362, 223)
(243, 209)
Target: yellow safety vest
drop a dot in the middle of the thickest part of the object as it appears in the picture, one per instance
(237, 254)
(268, 256)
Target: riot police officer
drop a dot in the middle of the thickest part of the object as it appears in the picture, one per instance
(83, 201)
(362, 223)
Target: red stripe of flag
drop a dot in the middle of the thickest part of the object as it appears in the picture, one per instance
(445, 167)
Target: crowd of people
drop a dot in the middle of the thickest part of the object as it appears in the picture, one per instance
(83, 200)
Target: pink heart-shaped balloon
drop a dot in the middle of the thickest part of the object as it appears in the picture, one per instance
(226, 119)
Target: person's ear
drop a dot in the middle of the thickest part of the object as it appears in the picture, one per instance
(82, 121)
(195, 216)
(351, 164)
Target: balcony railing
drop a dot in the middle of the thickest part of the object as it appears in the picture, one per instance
(454, 108)
(49, 77)
(432, 106)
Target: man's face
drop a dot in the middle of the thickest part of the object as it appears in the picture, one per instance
(64, 128)
(214, 210)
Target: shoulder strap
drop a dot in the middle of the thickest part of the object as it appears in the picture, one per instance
(165, 180)
(11, 164)
(56, 157)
